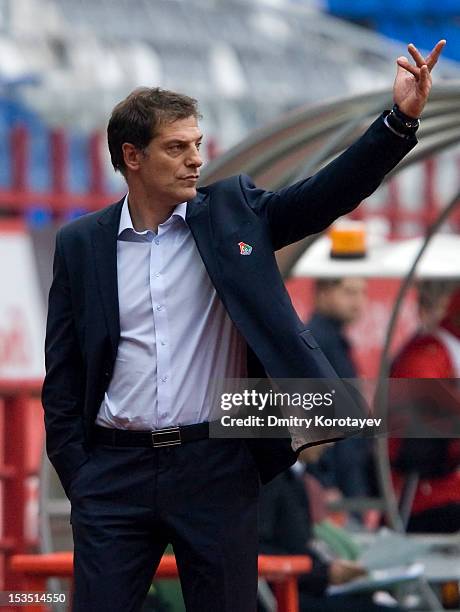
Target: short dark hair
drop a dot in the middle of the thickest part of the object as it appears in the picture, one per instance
(431, 290)
(137, 118)
(323, 284)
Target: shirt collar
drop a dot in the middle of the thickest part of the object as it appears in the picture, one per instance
(126, 221)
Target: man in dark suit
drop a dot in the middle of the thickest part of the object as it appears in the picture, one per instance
(153, 300)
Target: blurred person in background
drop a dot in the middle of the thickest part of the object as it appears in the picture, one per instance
(155, 298)
(347, 467)
(432, 353)
(286, 528)
(433, 297)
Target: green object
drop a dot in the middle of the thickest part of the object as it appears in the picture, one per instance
(155, 602)
(171, 594)
(165, 595)
(338, 540)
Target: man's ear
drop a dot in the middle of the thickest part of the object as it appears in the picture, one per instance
(131, 156)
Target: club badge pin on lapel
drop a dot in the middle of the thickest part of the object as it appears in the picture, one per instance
(245, 249)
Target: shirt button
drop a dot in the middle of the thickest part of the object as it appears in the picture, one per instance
(164, 379)
(163, 343)
(159, 307)
(157, 274)
(157, 241)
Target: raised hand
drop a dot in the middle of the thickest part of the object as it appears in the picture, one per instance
(413, 83)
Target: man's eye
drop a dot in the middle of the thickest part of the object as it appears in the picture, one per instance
(198, 145)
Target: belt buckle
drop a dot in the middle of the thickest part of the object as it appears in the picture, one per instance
(169, 436)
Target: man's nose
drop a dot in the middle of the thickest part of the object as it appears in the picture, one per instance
(195, 159)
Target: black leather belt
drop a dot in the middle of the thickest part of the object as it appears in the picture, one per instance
(169, 436)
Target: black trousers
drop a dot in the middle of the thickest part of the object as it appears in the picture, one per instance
(129, 503)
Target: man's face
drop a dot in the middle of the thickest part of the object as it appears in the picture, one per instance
(345, 300)
(169, 166)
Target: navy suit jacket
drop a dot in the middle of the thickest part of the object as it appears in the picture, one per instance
(83, 317)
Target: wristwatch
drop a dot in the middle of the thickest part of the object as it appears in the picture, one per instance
(400, 123)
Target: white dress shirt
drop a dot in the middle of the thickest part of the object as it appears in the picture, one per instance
(177, 342)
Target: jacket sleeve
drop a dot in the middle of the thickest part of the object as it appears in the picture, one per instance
(63, 387)
(311, 205)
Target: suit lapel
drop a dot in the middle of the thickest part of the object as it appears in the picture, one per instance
(199, 221)
(104, 239)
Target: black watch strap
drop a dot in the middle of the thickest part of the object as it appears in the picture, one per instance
(401, 123)
(398, 112)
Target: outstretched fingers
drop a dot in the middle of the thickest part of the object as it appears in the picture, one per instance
(433, 57)
(417, 56)
(430, 61)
